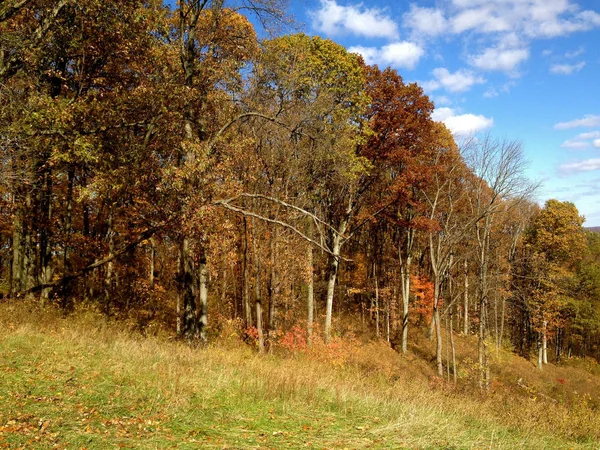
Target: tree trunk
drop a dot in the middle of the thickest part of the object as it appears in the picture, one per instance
(405, 265)
(377, 332)
(438, 328)
(190, 326)
(203, 296)
(23, 253)
(310, 300)
(545, 343)
(502, 319)
(272, 281)
(46, 269)
(455, 375)
(334, 265)
(540, 352)
(179, 298)
(466, 326)
(246, 278)
(108, 277)
(152, 263)
(258, 294)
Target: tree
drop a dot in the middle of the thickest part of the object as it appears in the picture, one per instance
(556, 242)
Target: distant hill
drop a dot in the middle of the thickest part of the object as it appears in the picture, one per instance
(596, 229)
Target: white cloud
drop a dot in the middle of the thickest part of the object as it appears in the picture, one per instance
(427, 21)
(575, 53)
(459, 81)
(403, 54)
(483, 19)
(589, 135)
(532, 18)
(583, 141)
(586, 121)
(557, 26)
(587, 165)
(495, 58)
(462, 124)
(575, 144)
(502, 30)
(333, 19)
(441, 100)
(567, 69)
(491, 93)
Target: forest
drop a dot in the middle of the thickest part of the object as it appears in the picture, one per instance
(170, 168)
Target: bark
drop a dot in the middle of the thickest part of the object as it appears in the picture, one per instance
(179, 294)
(378, 334)
(438, 328)
(454, 374)
(545, 342)
(310, 300)
(502, 320)
(246, 278)
(258, 295)
(19, 249)
(559, 344)
(272, 281)
(203, 296)
(447, 349)
(496, 328)
(68, 230)
(405, 266)
(333, 269)
(108, 278)
(46, 269)
(483, 238)
(187, 281)
(466, 325)
(540, 352)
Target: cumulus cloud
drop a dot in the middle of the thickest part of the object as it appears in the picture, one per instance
(587, 165)
(402, 54)
(575, 53)
(462, 124)
(482, 19)
(426, 21)
(589, 135)
(459, 81)
(575, 144)
(567, 69)
(533, 18)
(333, 19)
(495, 58)
(583, 141)
(586, 121)
(503, 30)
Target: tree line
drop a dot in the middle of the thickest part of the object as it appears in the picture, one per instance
(166, 163)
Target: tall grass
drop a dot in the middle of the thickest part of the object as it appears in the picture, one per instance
(83, 382)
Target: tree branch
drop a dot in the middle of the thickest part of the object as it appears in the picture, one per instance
(225, 204)
(146, 234)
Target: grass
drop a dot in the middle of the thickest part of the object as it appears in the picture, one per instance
(84, 383)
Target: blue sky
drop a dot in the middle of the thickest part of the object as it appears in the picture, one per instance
(524, 70)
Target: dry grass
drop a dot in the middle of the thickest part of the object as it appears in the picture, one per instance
(82, 382)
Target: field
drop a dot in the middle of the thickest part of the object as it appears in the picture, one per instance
(84, 383)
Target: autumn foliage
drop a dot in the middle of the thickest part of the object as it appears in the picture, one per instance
(165, 166)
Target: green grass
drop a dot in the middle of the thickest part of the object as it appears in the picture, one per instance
(80, 383)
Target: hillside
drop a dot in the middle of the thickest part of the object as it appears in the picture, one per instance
(596, 229)
(87, 384)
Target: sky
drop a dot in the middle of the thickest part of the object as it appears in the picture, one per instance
(526, 70)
